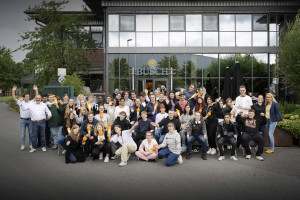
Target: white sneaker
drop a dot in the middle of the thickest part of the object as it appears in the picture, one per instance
(209, 151)
(259, 158)
(106, 159)
(233, 158)
(229, 147)
(122, 164)
(213, 151)
(64, 152)
(113, 157)
(30, 146)
(32, 150)
(241, 146)
(221, 158)
(22, 147)
(179, 160)
(248, 156)
(101, 156)
(44, 149)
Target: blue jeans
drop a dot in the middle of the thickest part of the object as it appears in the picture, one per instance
(23, 125)
(72, 158)
(201, 139)
(55, 133)
(171, 157)
(271, 128)
(38, 128)
(62, 141)
(157, 135)
(262, 130)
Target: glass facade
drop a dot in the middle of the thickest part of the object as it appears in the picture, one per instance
(194, 30)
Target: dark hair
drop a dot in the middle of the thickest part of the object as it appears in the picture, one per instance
(133, 91)
(122, 98)
(125, 93)
(198, 106)
(108, 96)
(191, 110)
(117, 101)
(251, 110)
(226, 114)
(143, 94)
(243, 86)
(174, 100)
(118, 126)
(44, 95)
(90, 113)
(26, 94)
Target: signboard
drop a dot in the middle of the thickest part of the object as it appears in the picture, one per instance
(61, 72)
(61, 79)
(151, 69)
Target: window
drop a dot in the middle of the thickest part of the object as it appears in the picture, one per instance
(177, 39)
(143, 22)
(160, 39)
(193, 22)
(210, 22)
(113, 22)
(127, 23)
(243, 23)
(243, 39)
(210, 38)
(127, 39)
(160, 23)
(227, 39)
(260, 39)
(144, 39)
(260, 22)
(176, 23)
(194, 39)
(113, 39)
(227, 22)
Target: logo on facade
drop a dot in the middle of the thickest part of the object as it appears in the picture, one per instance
(152, 63)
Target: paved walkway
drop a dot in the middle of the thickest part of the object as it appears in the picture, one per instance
(44, 175)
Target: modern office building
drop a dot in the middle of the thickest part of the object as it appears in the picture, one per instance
(145, 44)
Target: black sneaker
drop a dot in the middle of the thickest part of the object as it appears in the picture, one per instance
(188, 156)
(204, 157)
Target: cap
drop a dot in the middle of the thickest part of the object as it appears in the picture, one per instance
(181, 93)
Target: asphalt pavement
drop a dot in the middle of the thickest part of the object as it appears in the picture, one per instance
(44, 175)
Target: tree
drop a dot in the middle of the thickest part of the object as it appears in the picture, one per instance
(76, 81)
(9, 75)
(289, 55)
(60, 43)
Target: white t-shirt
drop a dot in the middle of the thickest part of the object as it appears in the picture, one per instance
(245, 101)
(125, 109)
(126, 137)
(160, 116)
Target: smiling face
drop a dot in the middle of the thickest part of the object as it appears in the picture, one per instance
(191, 88)
(99, 128)
(71, 102)
(251, 114)
(243, 91)
(76, 130)
(38, 99)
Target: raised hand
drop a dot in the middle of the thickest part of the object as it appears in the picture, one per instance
(35, 87)
(14, 88)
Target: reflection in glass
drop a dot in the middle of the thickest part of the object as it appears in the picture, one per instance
(260, 85)
(227, 22)
(113, 39)
(243, 23)
(160, 39)
(210, 22)
(143, 22)
(113, 22)
(272, 24)
(97, 37)
(226, 60)
(260, 38)
(177, 23)
(193, 22)
(273, 38)
(210, 39)
(243, 39)
(280, 22)
(260, 65)
(193, 39)
(245, 61)
(260, 22)
(227, 39)
(177, 62)
(143, 39)
(125, 36)
(127, 23)
(177, 39)
(113, 62)
(210, 65)
(96, 28)
(160, 23)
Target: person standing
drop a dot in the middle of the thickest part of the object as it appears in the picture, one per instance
(272, 114)
(38, 111)
(25, 120)
(260, 108)
(189, 95)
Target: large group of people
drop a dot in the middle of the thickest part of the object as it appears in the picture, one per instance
(149, 125)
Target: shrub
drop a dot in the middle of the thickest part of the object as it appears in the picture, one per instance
(76, 81)
(12, 106)
(287, 108)
(292, 126)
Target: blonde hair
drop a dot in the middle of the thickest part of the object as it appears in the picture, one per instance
(67, 112)
(204, 90)
(96, 128)
(72, 134)
(273, 99)
(81, 109)
(149, 132)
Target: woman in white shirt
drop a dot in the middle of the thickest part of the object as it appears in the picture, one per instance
(103, 117)
(122, 107)
(148, 148)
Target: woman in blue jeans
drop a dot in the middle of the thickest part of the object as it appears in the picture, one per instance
(272, 114)
(74, 146)
(171, 147)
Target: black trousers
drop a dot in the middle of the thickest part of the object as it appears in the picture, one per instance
(88, 147)
(104, 147)
(258, 138)
(211, 127)
(224, 139)
(138, 139)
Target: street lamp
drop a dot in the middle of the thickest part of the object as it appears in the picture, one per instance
(128, 42)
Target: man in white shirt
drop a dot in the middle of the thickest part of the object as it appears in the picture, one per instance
(128, 102)
(25, 120)
(38, 116)
(127, 142)
(243, 104)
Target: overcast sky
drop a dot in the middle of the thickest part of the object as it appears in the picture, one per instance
(12, 22)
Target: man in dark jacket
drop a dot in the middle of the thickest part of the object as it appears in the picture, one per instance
(122, 121)
(135, 111)
(160, 133)
(250, 128)
(150, 108)
(197, 131)
(227, 132)
(142, 126)
(87, 129)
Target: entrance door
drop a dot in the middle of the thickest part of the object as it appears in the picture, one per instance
(151, 84)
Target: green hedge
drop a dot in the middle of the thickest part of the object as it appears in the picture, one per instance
(292, 126)
(12, 106)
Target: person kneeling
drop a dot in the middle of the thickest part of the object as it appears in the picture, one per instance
(171, 147)
(99, 147)
(74, 146)
(227, 132)
(148, 148)
(124, 138)
(197, 131)
(250, 128)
